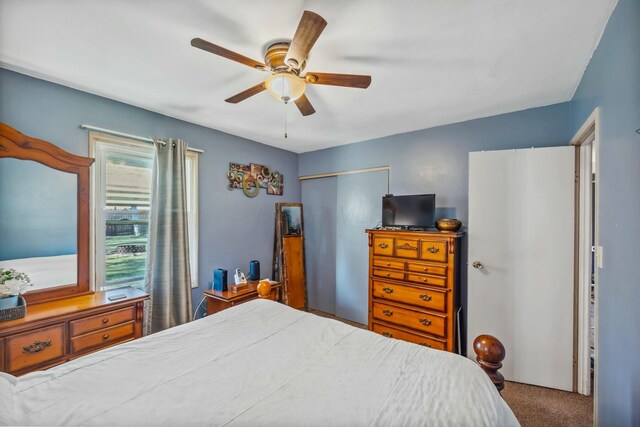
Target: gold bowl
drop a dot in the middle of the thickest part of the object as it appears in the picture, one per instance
(448, 224)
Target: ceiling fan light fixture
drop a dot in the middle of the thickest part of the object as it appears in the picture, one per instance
(285, 87)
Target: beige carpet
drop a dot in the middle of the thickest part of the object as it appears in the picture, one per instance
(539, 406)
(533, 406)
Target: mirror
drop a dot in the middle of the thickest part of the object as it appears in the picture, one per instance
(288, 254)
(44, 211)
(39, 223)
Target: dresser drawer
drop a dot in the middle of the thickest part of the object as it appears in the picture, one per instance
(103, 338)
(101, 321)
(433, 250)
(425, 322)
(35, 348)
(383, 246)
(407, 248)
(407, 336)
(398, 275)
(388, 263)
(420, 297)
(437, 270)
(427, 280)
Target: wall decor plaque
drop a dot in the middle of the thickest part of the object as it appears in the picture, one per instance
(252, 177)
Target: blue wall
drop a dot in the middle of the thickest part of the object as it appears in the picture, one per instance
(612, 83)
(233, 228)
(436, 160)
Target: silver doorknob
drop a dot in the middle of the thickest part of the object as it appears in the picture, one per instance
(477, 264)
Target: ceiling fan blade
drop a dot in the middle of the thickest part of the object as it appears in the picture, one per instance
(226, 53)
(304, 105)
(309, 29)
(347, 80)
(246, 93)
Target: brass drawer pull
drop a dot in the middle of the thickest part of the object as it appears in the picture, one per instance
(388, 274)
(433, 250)
(383, 245)
(105, 337)
(426, 270)
(36, 347)
(387, 334)
(425, 344)
(425, 322)
(408, 247)
(387, 312)
(105, 320)
(425, 297)
(425, 280)
(388, 264)
(387, 290)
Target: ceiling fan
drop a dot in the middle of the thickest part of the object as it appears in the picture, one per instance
(286, 61)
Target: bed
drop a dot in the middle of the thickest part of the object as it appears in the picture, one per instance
(46, 271)
(260, 363)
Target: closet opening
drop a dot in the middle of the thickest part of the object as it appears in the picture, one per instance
(338, 207)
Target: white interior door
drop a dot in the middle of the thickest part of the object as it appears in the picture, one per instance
(521, 230)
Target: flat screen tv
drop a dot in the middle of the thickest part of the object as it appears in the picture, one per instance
(409, 211)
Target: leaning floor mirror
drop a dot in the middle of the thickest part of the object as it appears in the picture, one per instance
(288, 254)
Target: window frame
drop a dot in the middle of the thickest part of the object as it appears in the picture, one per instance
(99, 145)
(194, 205)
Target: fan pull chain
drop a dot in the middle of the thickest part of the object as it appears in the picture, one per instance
(285, 120)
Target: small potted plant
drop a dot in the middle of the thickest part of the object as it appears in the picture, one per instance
(12, 284)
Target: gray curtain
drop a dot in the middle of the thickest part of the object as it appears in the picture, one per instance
(168, 279)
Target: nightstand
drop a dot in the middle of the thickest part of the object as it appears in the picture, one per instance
(218, 301)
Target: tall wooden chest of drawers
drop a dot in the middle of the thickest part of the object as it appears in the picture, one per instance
(414, 286)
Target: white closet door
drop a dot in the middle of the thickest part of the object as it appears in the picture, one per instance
(521, 230)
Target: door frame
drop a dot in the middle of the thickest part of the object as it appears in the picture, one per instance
(587, 141)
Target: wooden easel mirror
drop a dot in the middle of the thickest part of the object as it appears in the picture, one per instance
(288, 254)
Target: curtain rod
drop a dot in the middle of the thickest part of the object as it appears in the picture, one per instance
(130, 136)
(349, 172)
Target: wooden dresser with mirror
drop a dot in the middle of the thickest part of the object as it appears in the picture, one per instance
(45, 234)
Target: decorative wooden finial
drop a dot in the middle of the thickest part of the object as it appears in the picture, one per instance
(264, 289)
(490, 354)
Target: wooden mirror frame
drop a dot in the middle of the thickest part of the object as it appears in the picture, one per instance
(14, 144)
(289, 259)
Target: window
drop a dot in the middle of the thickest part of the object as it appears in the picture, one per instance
(192, 212)
(121, 204)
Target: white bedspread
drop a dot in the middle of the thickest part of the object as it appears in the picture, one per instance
(263, 363)
(46, 271)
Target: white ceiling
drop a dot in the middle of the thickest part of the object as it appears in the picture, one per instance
(432, 62)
